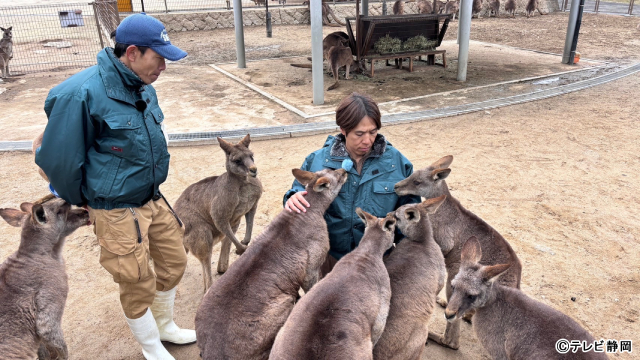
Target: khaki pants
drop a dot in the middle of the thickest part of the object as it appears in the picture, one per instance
(125, 251)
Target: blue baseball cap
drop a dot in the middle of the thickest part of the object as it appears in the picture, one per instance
(144, 30)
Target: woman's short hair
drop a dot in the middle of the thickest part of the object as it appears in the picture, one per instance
(354, 108)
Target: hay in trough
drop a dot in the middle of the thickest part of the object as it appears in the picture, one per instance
(418, 43)
(388, 45)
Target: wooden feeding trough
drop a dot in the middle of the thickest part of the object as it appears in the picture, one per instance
(370, 29)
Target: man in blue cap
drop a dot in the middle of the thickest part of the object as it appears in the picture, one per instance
(104, 148)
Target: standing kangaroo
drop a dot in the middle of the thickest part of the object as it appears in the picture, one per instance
(243, 310)
(510, 7)
(417, 272)
(398, 7)
(339, 56)
(494, 6)
(6, 51)
(452, 7)
(212, 208)
(532, 6)
(343, 316)
(452, 226)
(33, 280)
(508, 323)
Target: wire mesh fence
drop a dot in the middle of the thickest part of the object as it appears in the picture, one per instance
(56, 37)
(154, 6)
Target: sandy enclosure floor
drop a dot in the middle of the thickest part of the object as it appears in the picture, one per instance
(558, 178)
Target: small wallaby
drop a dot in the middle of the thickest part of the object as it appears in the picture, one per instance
(452, 226)
(532, 6)
(343, 316)
(33, 280)
(417, 272)
(508, 323)
(494, 6)
(510, 7)
(339, 56)
(398, 7)
(6, 51)
(212, 208)
(334, 39)
(452, 7)
(243, 310)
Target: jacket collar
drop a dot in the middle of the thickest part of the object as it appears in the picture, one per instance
(119, 81)
(339, 147)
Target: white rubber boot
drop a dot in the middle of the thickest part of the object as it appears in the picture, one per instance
(146, 333)
(162, 309)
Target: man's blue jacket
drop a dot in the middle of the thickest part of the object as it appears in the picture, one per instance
(103, 145)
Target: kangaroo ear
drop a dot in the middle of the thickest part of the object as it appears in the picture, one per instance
(13, 216)
(1, 28)
(431, 205)
(224, 145)
(321, 184)
(471, 252)
(389, 224)
(304, 177)
(38, 214)
(10, 27)
(440, 174)
(26, 207)
(245, 141)
(492, 273)
(412, 214)
(365, 216)
(443, 162)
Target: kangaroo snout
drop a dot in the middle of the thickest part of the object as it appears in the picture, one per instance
(253, 171)
(449, 315)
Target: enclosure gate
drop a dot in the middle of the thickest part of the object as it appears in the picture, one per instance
(58, 37)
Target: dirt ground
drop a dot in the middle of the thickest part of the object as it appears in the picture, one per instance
(558, 178)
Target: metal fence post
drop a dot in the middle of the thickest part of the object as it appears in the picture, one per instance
(95, 15)
(630, 12)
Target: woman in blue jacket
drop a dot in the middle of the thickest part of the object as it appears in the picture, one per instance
(374, 167)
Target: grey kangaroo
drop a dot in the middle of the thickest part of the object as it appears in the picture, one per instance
(212, 208)
(6, 51)
(452, 226)
(343, 316)
(417, 272)
(532, 6)
(243, 310)
(508, 323)
(510, 7)
(33, 280)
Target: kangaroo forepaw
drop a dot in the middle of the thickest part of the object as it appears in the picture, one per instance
(442, 301)
(440, 340)
(467, 317)
(241, 250)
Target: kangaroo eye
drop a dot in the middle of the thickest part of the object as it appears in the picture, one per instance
(416, 182)
(239, 162)
(251, 157)
(472, 297)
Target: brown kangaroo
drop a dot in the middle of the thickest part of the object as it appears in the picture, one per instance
(334, 39)
(33, 280)
(398, 7)
(417, 272)
(452, 7)
(510, 7)
(339, 56)
(343, 316)
(532, 6)
(452, 226)
(243, 310)
(494, 6)
(508, 323)
(6, 51)
(212, 208)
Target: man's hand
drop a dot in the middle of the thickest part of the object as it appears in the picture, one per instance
(297, 202)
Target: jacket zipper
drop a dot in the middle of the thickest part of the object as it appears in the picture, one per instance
(135, 219)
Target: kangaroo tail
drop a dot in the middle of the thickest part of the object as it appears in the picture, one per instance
(335, 18)
(334, 86)
(304, 66)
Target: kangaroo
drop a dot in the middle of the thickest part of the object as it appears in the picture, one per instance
(334, 39)
(452, 226)
(339, 56)
(6, 51)
(243, 310)
(343, 316)
(212, 208)
(417, 272)
(532, 6)
(494, 6)
(398, 7)
(33, 280)
(452, 7)
(476, 8)
(510, 7)
(508, 323)
(326, 12)
(35, 144)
